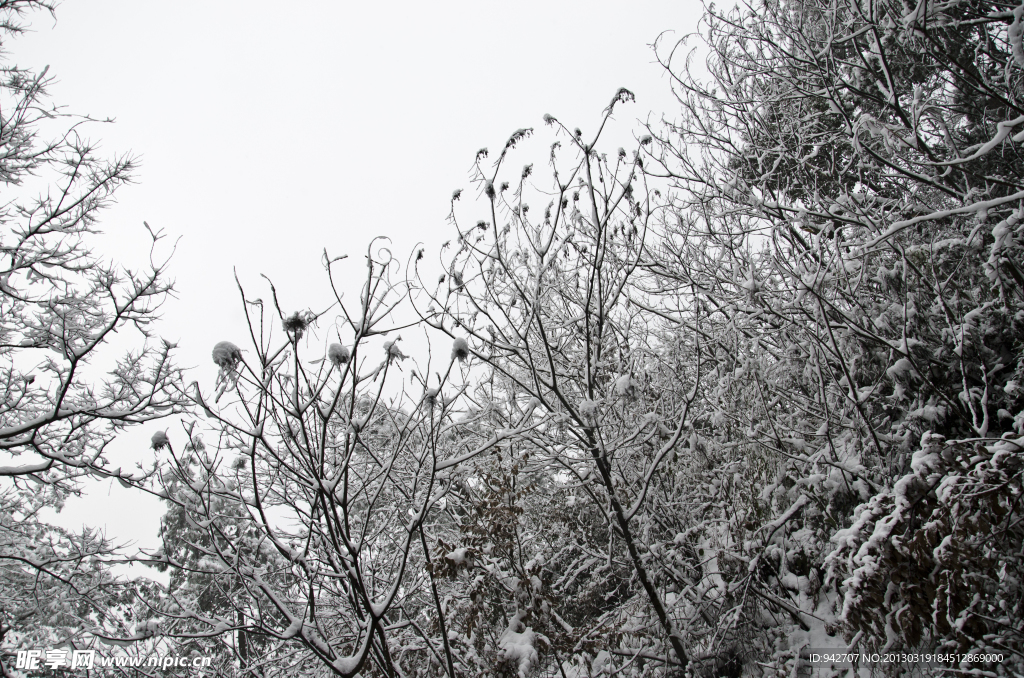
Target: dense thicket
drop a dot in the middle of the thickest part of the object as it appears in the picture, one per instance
(852, 178)
(790, 389)
(747, 389)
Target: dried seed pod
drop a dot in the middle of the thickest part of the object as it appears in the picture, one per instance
(295, 325)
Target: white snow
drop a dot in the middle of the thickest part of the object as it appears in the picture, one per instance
(519, 646)
(1015, 34)
(293, 629)
(458, 556)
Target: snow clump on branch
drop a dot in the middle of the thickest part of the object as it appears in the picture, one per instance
(159, 440)
(337, 354)
(391, 348)
(625, 387)
(147, 629)
(519, 647)
(226, 356)
(460, 349)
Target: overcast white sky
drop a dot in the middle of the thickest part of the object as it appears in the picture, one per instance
(269, 131)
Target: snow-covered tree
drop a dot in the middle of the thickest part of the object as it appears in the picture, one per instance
(751, 386)
(791, 387)
(592, 395)
(848, 191)
(68, 387)
(301, 531)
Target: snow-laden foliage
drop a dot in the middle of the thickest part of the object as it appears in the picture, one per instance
(937, 558)
(848, 186)
(749, 387)
(736, 378)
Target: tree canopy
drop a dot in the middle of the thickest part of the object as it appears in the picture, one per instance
(746, 390)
